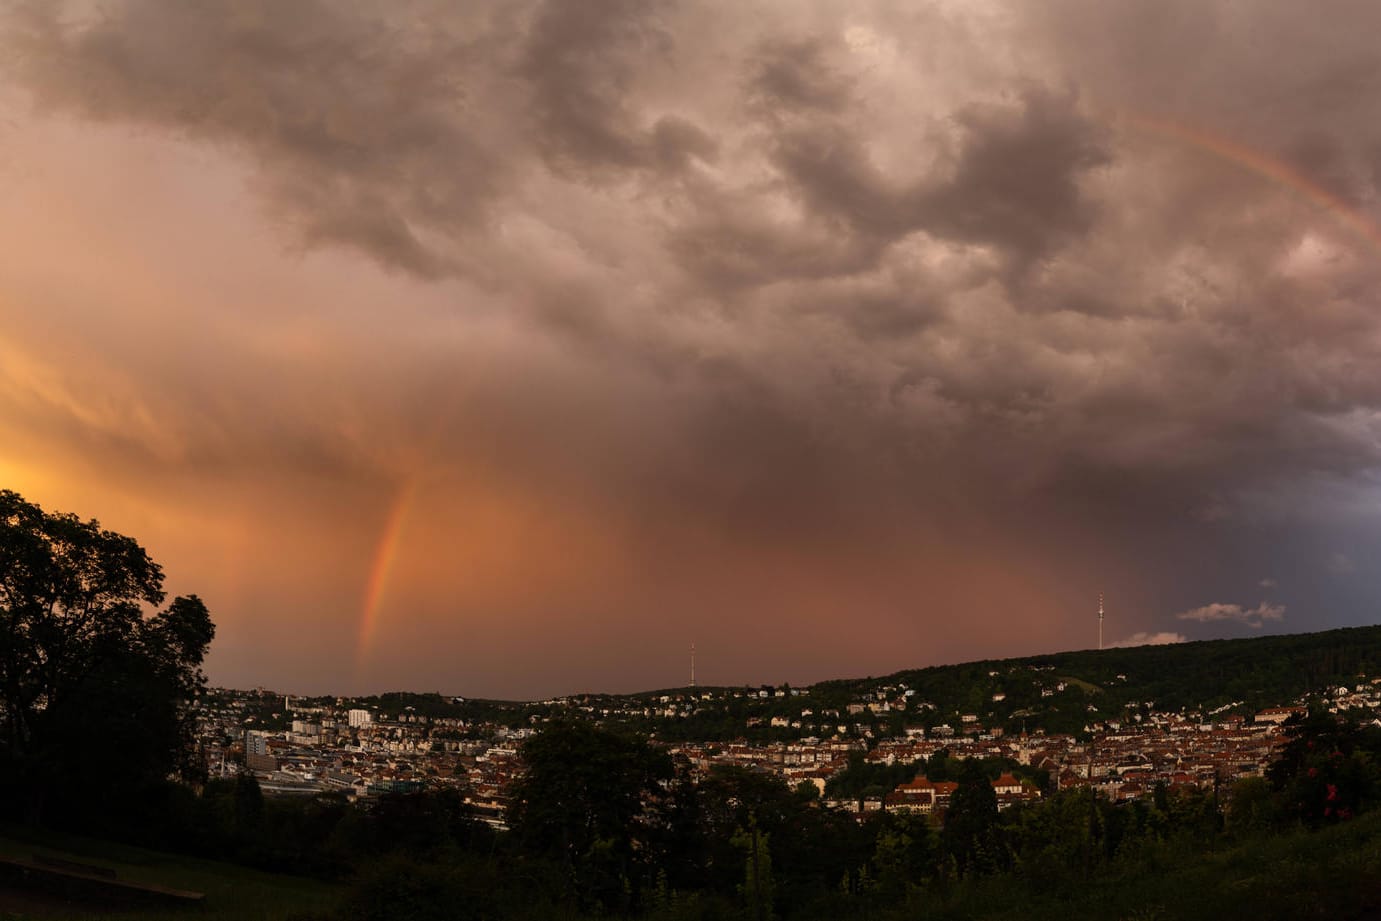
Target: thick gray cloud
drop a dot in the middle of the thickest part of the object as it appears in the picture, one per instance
(1079, 293)
(371, 128)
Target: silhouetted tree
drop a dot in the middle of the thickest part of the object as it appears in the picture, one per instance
(757, 886)
(971, 825)
(903, 855)
(93, 690)
(420, 824)
(811, 848)
(594, 802)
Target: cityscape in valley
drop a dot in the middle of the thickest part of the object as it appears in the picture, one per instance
(1122, 748)
(364, 752)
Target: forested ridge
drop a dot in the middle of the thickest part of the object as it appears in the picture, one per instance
(1258, 672)
(1057, 692)
(1242, 675)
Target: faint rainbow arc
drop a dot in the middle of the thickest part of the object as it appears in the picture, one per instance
(385, 553)
(386, 548)
(1269, 168)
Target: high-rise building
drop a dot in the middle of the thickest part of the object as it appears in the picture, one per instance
(259, 756)
(256, 743)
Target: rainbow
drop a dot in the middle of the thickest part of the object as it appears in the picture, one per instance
(1269, 168)
(385, 552)
(394, 526)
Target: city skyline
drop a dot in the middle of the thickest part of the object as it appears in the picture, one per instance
(511, 349)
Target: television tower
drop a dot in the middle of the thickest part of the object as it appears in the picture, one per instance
(1100, 620)
(692, 684)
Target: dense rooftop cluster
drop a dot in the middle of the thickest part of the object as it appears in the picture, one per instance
(363, 747)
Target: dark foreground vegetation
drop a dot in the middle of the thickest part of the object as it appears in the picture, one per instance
(232, 892)
(95, 741)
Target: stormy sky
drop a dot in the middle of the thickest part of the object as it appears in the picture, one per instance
(508, 348)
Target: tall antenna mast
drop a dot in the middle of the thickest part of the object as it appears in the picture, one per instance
(692, 684)
(1100, 620)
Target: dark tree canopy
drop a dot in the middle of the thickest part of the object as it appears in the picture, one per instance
(971, 822)
(93, 685)
(596, 802)
(1329, 771)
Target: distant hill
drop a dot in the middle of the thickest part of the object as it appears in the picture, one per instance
(1250, 673)
(1059, 692)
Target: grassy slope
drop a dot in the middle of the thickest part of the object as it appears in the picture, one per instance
(233, 893)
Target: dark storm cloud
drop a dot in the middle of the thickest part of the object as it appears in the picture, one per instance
(800, 75)
(1031, 284)
(831, 172)
(580, 63)
(1013, 183)
(577, 61)
(366, 126)
(730, 243)
(1017, 181)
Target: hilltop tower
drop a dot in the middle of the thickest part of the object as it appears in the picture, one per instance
(1100, 620)
(692, 684)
